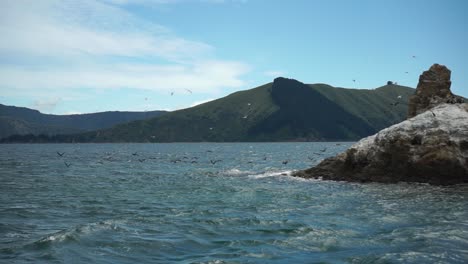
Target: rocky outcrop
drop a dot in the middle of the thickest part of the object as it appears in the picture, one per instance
(433, 89)
(431, 147)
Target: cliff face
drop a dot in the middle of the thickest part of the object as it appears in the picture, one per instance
(431, 147)
(433, 89)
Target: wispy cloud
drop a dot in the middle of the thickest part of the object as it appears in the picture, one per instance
(58, 46)
(274, 74)
(201, 102)
(46, 104)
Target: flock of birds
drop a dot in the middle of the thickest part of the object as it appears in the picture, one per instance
(136, 157)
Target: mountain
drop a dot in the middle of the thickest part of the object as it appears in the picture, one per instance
(21, 120)
(284, 110)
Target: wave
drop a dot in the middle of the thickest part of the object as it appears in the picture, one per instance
(74, 234)
(237, 172)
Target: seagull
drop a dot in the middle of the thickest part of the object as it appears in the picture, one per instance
(214, 161)
(245, 116)
(67, 164)
(406, 72)
(324, 149)
(211, 128)
(312, 159)
(188, 91)
(354, 80)
(399, 97)
(285, 162)
(60, 154)
(414, 57)
(176, 160)
(135, 153)
(394, 104)
(141, 160)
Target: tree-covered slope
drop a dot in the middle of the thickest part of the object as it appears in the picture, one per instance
(284, 110)
(379, 108)
(21, 120)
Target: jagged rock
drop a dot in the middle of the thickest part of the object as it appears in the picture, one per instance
(431, 148)
(433, 89)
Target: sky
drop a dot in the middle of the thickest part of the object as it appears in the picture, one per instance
(69, 57)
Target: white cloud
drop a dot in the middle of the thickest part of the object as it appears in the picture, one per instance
(46, 105)
(56, 45)
(274, 74)
(201, 102)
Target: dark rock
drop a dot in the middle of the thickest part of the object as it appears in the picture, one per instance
(433, 89)
(431, 147)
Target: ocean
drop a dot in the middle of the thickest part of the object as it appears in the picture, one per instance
(215, 203)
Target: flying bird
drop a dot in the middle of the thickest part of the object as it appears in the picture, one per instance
(214, 161)
(188, 91)
(60, 154)
(135, 153)
(399, 97)
(394, 104)
(67, 164)
(285, 162)
(141, 160)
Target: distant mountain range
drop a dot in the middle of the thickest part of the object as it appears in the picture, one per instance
(284, 110)
(21, 121)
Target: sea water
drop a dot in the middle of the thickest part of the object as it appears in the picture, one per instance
(215, 203)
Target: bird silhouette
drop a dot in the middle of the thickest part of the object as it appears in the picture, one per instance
(188, 91)
(141, 160)
(285, 162)
(67, 164)
(323, 150)
(135, 153)
(214, 161)
(394, 104)
(60, 154)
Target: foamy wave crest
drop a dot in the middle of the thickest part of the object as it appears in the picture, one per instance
(237, 172)
(271, 174)
(75, 233)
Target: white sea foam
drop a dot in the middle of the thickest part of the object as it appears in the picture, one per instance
(82, 230)
(270, 174)
(237, 172)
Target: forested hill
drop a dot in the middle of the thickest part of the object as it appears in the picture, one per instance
(284, 110)
(20, 121)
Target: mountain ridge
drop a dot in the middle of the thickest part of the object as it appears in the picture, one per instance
(16, 120)
(282, 110)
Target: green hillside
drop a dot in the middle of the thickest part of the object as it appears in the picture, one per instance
(285, 110)
(376, 107)
(21, 121)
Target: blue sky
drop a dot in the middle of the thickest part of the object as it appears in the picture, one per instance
(66, 57)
